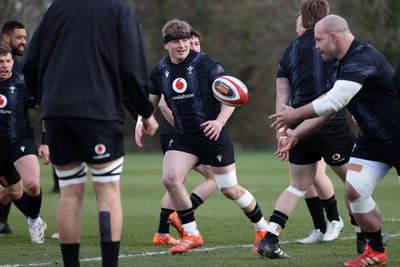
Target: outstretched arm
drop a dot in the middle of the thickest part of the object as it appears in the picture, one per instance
(337, 98)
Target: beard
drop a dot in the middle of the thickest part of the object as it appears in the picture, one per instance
(17, 51)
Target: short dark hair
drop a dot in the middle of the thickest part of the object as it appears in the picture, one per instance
(11, 25)
(195, 33)
(5, 49)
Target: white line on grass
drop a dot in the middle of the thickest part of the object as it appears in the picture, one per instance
(164, 252)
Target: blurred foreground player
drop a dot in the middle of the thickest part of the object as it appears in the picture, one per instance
(81, 104)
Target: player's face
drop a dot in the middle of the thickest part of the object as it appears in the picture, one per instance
(324, 44)
(6, 64)
(178, 50)
(17, 41)
(195, 44)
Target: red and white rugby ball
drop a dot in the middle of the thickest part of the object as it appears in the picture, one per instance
(230, 91)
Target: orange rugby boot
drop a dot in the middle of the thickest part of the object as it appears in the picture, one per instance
(174, 220)
(167, 239)
(187, 243)
(259, 235)
(368, 258)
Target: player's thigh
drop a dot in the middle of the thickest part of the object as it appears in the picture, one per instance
(29, 169)
(302, 176)
(26, 161)
(177, 164)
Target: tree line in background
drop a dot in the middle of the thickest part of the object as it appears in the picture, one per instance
(247, 37)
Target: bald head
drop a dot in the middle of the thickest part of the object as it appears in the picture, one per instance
(333, 23)
(332, 37)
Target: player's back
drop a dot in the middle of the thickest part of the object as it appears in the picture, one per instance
(83, 56)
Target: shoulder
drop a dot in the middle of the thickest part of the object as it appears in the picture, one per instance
(205, 62)
(161, 66)
(359, 50)
(202, 57)
(18, 79)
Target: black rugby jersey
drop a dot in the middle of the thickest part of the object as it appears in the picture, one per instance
(307, 73)
(187, 90)
(14, 103)
(376, 107)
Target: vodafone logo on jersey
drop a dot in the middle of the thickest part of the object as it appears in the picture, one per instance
(179, 85)
(337, 157)
(3, 101)
(100, 149)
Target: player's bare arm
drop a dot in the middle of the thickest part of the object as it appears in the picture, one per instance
(337, 98)
(147, 126)
(167, 113)
(306, 128)
(283, 94)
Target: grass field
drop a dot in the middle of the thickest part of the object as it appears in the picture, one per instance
(226, 231)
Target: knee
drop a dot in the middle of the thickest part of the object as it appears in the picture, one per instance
(32, 188)
(231, 192)
(170, 181)
(15, 191)
(349, 192)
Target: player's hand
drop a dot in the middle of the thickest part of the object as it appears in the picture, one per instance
(148, 126)
(212, 129)
(281, 143)
(283, 119)
(290, 142)
(43, 151)
(139, 135)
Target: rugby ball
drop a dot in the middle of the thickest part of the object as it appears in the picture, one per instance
(230, 91)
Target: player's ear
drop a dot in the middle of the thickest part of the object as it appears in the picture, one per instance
(5, 38)
(334, 36)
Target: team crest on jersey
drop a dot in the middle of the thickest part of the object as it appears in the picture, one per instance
(3, 101)
(100, 149)
(179, 85)
(190, 70)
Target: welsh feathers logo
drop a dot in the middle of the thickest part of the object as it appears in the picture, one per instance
(179, 85)
(3, 101)
(100, 149)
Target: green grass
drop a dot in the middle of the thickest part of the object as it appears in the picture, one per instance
(226, 231)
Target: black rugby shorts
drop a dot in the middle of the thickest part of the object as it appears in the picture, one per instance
(376, 151)
(219, 153)
(84, 140)
(10, 154)
(333, 143)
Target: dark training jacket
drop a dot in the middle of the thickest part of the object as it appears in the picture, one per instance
(83, 56)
